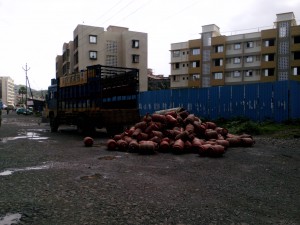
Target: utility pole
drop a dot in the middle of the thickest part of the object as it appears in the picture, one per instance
(26, 69)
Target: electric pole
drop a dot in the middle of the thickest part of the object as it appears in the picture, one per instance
(26, 69)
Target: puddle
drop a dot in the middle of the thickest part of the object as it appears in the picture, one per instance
(90, 177)
(10, 219)
(109, 157)
(31, 135)
(11, 171)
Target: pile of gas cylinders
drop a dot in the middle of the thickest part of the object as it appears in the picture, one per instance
(177, 131)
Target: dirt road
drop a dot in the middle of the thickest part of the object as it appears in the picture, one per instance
(51, 178)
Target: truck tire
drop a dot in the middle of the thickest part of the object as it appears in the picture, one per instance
(53, 125)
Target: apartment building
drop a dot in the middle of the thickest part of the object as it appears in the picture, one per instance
(115, 46)
(7, 93)
(215, 59)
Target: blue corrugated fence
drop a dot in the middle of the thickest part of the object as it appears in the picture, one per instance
(278, 101)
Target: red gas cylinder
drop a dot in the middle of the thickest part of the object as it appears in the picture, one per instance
(133, 146)
(88, 141)
(122, 145)
(147, 147)
(111, 144)
(216, 151)
(178, 147)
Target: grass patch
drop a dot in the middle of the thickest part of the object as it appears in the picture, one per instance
(287, 129)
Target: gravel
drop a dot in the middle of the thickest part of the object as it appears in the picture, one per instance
(51, 178)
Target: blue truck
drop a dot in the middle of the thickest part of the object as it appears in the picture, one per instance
(98, 97)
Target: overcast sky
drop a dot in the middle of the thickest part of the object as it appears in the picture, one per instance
(33, 31)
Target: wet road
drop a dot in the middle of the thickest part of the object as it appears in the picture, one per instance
(51, 178)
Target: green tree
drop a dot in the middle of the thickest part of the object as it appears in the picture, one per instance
(22, 92)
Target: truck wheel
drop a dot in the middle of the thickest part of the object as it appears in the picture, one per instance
(53, 125)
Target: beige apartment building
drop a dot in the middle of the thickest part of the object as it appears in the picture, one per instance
(115, 46)
(7, 93)
(215, 59)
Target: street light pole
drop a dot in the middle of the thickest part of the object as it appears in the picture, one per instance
(26, 69)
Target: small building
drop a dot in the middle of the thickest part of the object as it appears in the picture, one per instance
(157, 82)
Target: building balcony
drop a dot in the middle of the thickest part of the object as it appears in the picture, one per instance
(295, 63)
(234, 66)
(268, 78)
(194, 70)
(234, 52)
(252, 50)
(294, 77)
(194, 83)
(215, 69)
(295, 47)
(268, 64)
(268, 50)
(194, 57)
(217, 82)
(218, 55)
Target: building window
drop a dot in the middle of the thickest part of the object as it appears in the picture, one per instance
(206, 55)
(219, 48)
(269, 72)
(269, 57)
(196, 76)
(135, 43)
(237, 60)
(249, 44)
(218, 62)
(93, 39)
(270, 42)
(196, 51)
(76, 57)
(237, 46)
(296, 71)
(76, 42)
(93, 55)
(111, 47)
(236, 73)
(283, 63)
(176, 66)
(111, 60)
(218, 76)
(296, 55)
(249, 59)
(249, 73)
(176, 53)
(195, 64)
(176, 78)
(135, 58)
(283, 29)
(297, 39)
(283, 47)
(283, 76)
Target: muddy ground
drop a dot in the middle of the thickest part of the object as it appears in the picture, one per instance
(51, 178)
